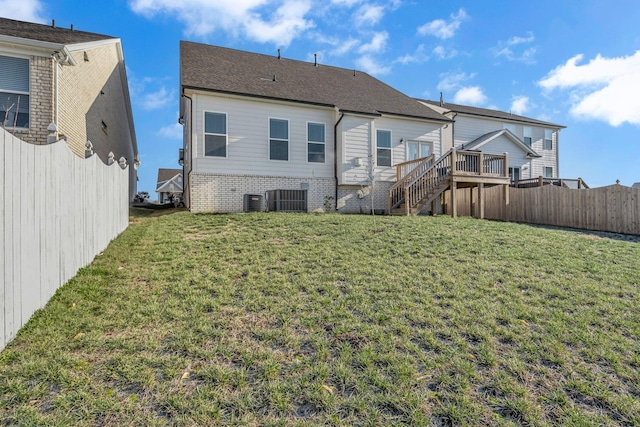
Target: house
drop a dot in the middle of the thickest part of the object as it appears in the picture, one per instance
(169, 185)
(532, 144)
(68, 82)
(636, 185)
(257, 124)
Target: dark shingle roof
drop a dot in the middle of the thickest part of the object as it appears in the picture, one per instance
(167, 174)
(47, 33)
(226, 70)
(485, 112)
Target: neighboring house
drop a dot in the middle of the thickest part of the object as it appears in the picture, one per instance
(532, 144)
(169, 185)
(72, 79)
(256, 123)
(636, 185)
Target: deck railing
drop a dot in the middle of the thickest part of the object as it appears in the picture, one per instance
(428, 179)
(407, 172)
(576, 184)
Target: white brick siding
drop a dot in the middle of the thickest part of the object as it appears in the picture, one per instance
(225, 193)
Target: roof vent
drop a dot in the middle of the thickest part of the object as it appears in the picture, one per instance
(53, 23)
(71, 27)
(441, 100)
(354, 73)
(315, 59)
(279, 54)
(274, 78)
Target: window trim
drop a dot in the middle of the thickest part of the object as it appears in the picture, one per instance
(390, 148)
(545, 169)
(28, 127)
(544, 140)
(324, 143)
(278, 139)
(205, 133)
(512, 169)
(419, 143)
(524, 135)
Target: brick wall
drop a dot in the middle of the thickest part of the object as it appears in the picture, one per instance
(225, 193)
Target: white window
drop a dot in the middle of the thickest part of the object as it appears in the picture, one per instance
(548, 140)
(215, 134)
(315, 142)
(383, 147)
(510, 127)
(14, 92)
(278, 139)
(418, 149)
(526, 132)
(514, 173)
(548, 172)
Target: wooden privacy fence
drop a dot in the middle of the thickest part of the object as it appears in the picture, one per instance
(614, 208)
(57, 212)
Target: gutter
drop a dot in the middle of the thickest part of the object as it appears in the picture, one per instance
(335, 154)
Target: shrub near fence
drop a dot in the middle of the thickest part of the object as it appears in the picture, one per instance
(57, 212)
(614, 208)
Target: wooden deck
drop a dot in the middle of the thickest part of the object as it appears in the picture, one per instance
(421, 181)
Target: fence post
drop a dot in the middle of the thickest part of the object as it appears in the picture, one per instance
(540, 181)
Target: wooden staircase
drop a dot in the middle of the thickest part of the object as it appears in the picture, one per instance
(420, 182)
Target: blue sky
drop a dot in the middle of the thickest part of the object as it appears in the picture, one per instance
(572, 63)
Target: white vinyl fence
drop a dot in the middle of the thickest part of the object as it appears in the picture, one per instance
(57, 212)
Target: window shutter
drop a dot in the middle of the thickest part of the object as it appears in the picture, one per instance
(14, 74)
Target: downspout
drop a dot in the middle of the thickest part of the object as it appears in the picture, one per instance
(186, 175)
(335, 155)
(558, 153)
(453, 131)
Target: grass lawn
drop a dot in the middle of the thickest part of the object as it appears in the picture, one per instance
(303, 319)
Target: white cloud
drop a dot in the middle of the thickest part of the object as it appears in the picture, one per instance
(441, 53)
(443, 29)
(509, 49)
(245, 17)
(369, 14)
(173, 131)
(378, 43)
(453, 81)
(471, 95)
(345, 47)
(418, 57)
(158, 99)
(519, 105)
(22, 10)
(604, 89)
(367, 64)
(348, 3)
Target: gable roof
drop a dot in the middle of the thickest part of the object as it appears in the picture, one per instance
(47, 33)
(167, 174)
(485, 112)
(223, 70)
(488, 137)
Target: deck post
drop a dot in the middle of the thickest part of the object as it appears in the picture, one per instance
(481, 199)
(454, 205)
(481, 164)
(433, 208)
(407, 207)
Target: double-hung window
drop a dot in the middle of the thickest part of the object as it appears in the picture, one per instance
(383, 147)
(215, 134)
(548, 172)
(315, 142)
(526, 132)
(548, 140)
(14, 92)
(278, 139)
